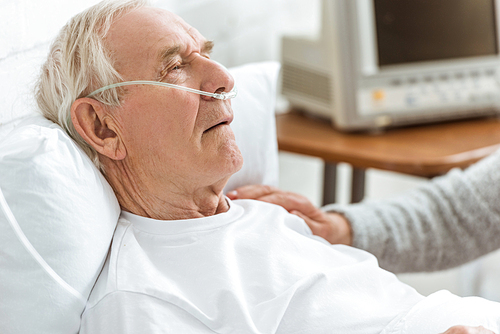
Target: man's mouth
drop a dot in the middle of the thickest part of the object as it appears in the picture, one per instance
(225, 121)
(216, 125)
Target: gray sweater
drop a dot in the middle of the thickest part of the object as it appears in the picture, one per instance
(449, 221)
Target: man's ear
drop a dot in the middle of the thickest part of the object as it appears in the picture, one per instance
(94, 124)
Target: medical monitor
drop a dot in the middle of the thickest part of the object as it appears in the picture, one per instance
(383, 63)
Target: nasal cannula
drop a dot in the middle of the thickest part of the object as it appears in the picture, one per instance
(220, 96)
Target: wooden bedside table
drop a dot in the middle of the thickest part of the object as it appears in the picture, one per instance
(424, 150)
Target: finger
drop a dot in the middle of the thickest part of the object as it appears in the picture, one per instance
(313, 225)
(468, 330)
(290, 201)
(232, 195)
(253, 191)
(308, 220)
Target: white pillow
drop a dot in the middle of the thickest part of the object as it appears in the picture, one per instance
(254, 123)
(57, 219)
(57, 212)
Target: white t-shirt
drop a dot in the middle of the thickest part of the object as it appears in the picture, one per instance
(253, 269)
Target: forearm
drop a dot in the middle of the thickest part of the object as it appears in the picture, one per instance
(450, 221)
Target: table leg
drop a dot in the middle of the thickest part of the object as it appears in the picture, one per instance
(358, 185)
(329, 183)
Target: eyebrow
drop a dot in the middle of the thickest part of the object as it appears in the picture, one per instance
(167, 54)
(207, 47)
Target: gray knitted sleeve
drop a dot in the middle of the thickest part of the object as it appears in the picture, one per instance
(449, 221)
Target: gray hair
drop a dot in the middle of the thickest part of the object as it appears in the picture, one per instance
(78, 63)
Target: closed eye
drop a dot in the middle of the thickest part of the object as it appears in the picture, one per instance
(169, 71)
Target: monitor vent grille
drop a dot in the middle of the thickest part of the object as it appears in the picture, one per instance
(309, 84)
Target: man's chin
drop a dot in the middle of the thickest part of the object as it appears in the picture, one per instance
(237, 160)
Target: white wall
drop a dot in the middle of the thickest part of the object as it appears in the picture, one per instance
(246, 31)
(252, 27)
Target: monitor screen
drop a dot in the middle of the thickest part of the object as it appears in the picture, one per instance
(423, 30)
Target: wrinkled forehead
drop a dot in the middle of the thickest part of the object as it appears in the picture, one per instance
(136, 39)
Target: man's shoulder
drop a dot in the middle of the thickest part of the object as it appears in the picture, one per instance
(259, 206)
(272, 215)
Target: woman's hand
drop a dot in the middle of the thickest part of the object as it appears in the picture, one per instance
(468, 330)
(331, 226)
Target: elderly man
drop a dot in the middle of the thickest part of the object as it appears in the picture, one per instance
(184, 258)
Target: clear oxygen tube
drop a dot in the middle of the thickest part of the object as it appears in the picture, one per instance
(219, 96)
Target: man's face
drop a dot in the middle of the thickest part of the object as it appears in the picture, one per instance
(171, 135)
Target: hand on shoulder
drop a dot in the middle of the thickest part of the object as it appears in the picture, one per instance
(331, 226)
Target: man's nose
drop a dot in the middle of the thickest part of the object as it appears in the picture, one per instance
(216, 78)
